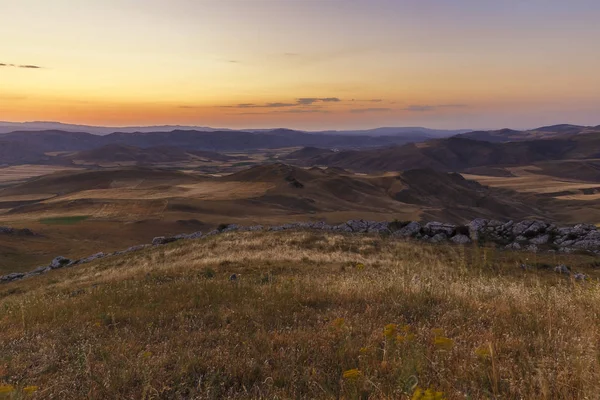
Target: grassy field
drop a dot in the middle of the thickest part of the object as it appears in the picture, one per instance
(70, 220)
(311, 315)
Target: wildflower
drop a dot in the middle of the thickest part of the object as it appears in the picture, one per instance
(360, 266)
(483, 352)
(428, 394)
(443, 343)
(405, 338)
(147, 354)
(339, 323)
(406, 328)
(30, 389)
(389, 331)
(6, 389)
(437, 332)
(352, 374)
(364, 350)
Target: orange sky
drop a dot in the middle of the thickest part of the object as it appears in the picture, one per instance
(301, 64)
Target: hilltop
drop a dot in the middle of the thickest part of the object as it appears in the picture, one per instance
(307, 315)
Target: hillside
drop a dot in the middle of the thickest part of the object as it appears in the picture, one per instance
(545, 132)
(456, 154)
(309, 315)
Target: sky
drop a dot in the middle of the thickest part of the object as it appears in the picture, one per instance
(304, 64)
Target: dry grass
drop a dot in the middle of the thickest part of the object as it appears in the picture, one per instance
(312, 316)
(26, 171)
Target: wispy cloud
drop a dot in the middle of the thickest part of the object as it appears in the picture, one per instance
(425, 108)
(292, 111)
(304, 101)
(369, 110)
(24, 66)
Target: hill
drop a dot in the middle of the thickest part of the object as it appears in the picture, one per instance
(459, 153)
(545, 132)
(20, 153)
(308, 315)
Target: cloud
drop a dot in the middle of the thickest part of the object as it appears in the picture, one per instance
(24, 66)
(304, 101)
(426, 108)
(311, 100)
(292, 111)
(369, 110)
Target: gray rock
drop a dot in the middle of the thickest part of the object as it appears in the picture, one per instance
(521, 239)
(460, 239)
(532, 248)
(520, 227)
(476, 227)
(15, 276)
(379, 227)
(358, 225)
(91, 258)
(513, 246)
(435, 228)
(535, 228)
(580, 277)
(439, 238)
(543, 239)
(562, 269)
(161, 240)
(59, 262)
(410, 230)
(586, 244)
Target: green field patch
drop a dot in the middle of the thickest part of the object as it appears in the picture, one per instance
(71, 220)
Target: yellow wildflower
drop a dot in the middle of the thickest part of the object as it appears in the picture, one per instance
(147, 354)
(339, 323)
(352, 374)
(405, 338)
(406, 328)
(428, 394)
(360, 266)
(482, 351)
(30, 389)
(443, 343)
(437, 332)
(390, 330)
(6, 389)
(364, 350)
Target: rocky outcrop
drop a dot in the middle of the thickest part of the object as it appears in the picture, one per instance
(530, 235)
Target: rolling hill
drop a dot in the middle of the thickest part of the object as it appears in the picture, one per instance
(545, 132)
(458, 153)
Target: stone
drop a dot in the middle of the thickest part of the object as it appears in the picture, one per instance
(543, 239)
(15, 276)
(412, 229)
(59, 262)
(476, 227)
(580, 277)
(434, 228)
(379, 227)
(562, 269)
(532, 248)
(586, 244)
(439, 238)
(161, 240)
(91, 258)
(513, 246)
(460, 239)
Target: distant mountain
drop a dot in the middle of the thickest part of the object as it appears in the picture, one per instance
(115, 153)
(459, 153)
(6, 127)
(544, 132)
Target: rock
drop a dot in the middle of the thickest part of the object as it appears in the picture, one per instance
(412, 229)
(580, 277)
(460, 239)
(40, 270)
(7, 230)
(91, 258)
(15, 276)
(513, 246)
(233, 278)
(543, 239)
(358, 225)
(434, 228)
(585, 244)
(379, 227)
(476, 227)
(439, 238)
(520, 239)
(562, 269)
(520, 227)
(532, 248)
(59, 262)
(536, 227)
(161, 240)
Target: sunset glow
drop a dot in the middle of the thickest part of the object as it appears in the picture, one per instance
(301, 64)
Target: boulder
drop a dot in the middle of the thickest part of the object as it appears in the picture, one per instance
(434, 228)
(562, 269)
(59, 262)
(91, 258)
(412, 229)
(460, 239)
(543, 239)
(513, 246)
(15, 276)
(438, 238)
(160, 240)
(379, 227)
(476, 227)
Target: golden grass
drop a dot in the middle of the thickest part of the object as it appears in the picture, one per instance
(531, 183)
(26, 171)
(312, 315)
